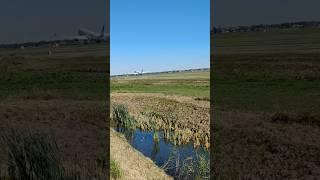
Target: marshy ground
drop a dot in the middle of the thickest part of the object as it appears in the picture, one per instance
(266, 105)
(190, 117)
(177, 104)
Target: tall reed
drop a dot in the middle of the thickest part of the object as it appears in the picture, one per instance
(122, 117)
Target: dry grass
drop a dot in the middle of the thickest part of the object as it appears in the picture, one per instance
(35, 154)
(79, 126)
(251, 145)
(181, 120)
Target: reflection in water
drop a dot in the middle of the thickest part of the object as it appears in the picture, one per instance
(155, 150)
(156, 147)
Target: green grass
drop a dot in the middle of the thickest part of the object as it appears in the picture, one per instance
(122, 118)
(75, 78)
(115, 171)
(277, 41)
(197, 167)
(258, 84)
(201, 75)
(259, 78)
(194, 84)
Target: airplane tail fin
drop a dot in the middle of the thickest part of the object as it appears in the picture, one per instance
(102, 31)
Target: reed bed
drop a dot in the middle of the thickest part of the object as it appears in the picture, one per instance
(174, 130)
(188, 168)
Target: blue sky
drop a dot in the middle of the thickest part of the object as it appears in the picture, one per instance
(159, 35)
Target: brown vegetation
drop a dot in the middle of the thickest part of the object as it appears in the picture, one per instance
(77, 126)
(182, 119)
(258, 146)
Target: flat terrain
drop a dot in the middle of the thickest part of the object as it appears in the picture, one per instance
(64, 93)
(277, 41)
(192, 84)
(266, 104)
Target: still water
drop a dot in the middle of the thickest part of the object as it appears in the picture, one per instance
(160, 150)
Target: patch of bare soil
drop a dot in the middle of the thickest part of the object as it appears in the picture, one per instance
(79, 126)
(251, 146)
(191, 117)
(133, 164)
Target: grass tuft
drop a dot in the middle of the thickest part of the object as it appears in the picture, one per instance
(189, 167)
(115, 171)
(122, 117)
(36, 155)
(31, 155)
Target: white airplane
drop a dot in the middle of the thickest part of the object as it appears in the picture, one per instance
(86, 35)
(139, 72)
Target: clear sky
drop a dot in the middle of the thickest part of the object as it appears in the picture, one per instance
(159, 35)
(35, 20)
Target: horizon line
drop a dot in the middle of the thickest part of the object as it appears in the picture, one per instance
(153, 72)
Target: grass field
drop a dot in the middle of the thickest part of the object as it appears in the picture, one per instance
(276, 41)
(268, 82)
(192, 84)
(266, 101)
(25, 74)
(63, 93)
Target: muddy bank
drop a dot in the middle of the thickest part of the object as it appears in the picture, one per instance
(133, 165)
